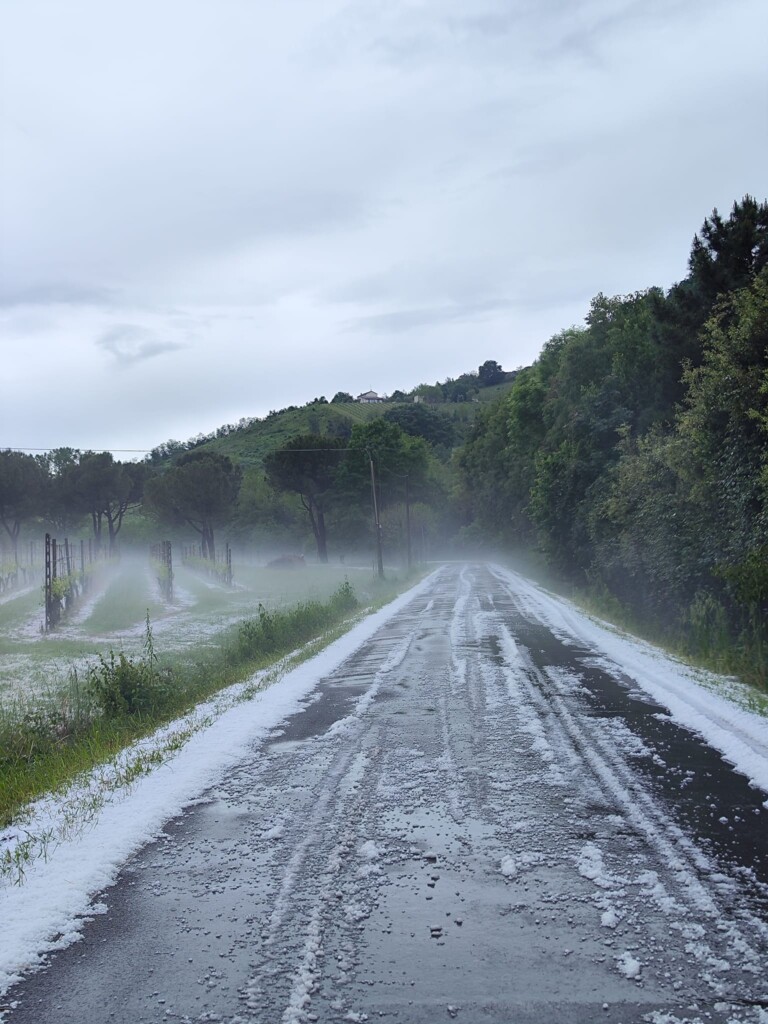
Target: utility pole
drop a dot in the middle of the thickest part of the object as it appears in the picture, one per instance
(376, 523)
(408, 521)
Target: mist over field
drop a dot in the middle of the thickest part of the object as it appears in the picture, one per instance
(123, 592)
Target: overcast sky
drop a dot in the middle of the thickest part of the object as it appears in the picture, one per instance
(214, 208)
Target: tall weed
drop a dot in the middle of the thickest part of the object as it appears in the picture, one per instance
(129, 686)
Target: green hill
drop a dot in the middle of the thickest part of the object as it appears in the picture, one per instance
(248, 442)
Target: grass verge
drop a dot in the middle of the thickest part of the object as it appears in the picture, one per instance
(732, 669)
(102, 715)
(719, 665)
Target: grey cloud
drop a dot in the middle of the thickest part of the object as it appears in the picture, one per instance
(493, 31)
(534, 164)
(454, 281)
(494, 23)
(449, 173)
(410, 319)
(596, 23)
(129, 343)
(54, 293)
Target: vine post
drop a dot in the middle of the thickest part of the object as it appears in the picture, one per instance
(48, 584)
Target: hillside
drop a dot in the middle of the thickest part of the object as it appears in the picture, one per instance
(248, 444)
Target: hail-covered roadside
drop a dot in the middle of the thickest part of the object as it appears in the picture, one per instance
(480, 806)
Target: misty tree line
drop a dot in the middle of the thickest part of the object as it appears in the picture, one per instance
(66, 488)
(634, 451)
(336, 478)
(316, 482)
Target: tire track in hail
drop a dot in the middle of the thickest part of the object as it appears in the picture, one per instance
(685, 866)
(288, 969)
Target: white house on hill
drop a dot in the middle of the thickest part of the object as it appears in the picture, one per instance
(370, 396)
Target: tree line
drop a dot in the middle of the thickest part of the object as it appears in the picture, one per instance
(65, 487)
(634, 452)
(318, 483)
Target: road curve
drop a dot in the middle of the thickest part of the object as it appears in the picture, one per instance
(472, 818)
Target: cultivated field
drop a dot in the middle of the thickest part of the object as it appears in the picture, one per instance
(112, 615)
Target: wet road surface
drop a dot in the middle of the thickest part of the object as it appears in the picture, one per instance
(471, 819)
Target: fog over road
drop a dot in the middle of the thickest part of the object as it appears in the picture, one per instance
(474, 818)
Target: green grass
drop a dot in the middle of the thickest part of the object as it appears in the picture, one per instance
(15, 612)
(203, 609)
(722, 667)
(278, 586)
(125, 601)
(250, 445)
(44, 742)
(47, 739)
(490, 394)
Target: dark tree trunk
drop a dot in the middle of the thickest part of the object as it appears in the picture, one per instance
(13, 533)
(96, 520)
(317, 519)
(208, 543)
(322, 545)
(114, 522)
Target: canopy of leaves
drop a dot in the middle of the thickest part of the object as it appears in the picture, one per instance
(490, 373)
(201, 490)
(94, 484)
(396, 457)
(308, 465)
(22, 487)
(634, 452)
(419, 420)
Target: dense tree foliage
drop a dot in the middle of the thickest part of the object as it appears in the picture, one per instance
(265, 517)
(634, 452)
(404, 471)
(396, 456)
(95, 485)
(22, 483)
(419, 420)
(307, 466)
(490, 373)
(65, 487)
(333, 478)
(200, 489)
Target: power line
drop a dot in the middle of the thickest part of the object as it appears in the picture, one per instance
(149, 451)
(53, 448)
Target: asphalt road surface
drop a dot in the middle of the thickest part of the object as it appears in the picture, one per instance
(473, 818)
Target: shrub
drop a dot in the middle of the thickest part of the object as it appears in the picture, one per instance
(120, 685)
(275, 631)
(707, 626)
(344, 598)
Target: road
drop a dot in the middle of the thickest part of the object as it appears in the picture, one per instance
(474, 818)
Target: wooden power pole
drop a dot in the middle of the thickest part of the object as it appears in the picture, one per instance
(376, 522)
